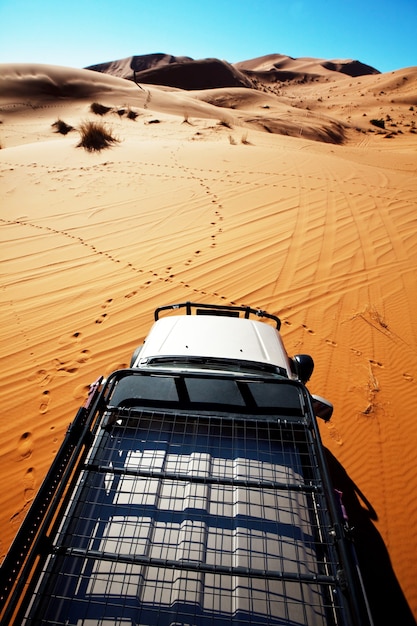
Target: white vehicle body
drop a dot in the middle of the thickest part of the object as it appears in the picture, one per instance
(217, 339)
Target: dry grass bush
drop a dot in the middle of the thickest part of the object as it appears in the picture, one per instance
(99, 109)
(379, 123)
(224, 123)
(62, 127)
(95, 136)
(186, 119)
(131, 115)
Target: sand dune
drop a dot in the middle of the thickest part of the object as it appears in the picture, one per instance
(124, 68)
(180, 72)
(188, 73)
(196, 201)
(281, 67)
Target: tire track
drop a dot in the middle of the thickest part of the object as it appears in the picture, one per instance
(220, 175)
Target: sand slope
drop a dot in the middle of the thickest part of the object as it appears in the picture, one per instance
(324, 235)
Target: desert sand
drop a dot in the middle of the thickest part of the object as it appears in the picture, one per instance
(284, 197)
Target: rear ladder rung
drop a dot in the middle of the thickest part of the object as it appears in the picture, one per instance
(209, 480)
(206, 568)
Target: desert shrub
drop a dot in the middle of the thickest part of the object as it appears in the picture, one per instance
(99, 109)
(131, 115)
(186, 119)
(95, 136)
(224, 123)
(378, 123)
(62, 127)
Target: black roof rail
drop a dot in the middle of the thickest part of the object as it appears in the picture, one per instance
(218, 309)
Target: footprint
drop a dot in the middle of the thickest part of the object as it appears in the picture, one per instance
(43, 407)
(84, 356)
(408, 377)
(67, 367)
(29, 484)
(331, 343)
(66, 341)
(357, 352)
(334, 434)
(80, 393)
(42, 377)
(308, 329)
(377, 363)
(25, 445)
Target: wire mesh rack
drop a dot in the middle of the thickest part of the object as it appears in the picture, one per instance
(186, 499)
(188, 519)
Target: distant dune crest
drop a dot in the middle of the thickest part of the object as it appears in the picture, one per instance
(123, 68)
(188, 73)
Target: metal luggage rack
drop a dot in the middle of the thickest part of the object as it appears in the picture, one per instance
(218, 309)
(174, 517)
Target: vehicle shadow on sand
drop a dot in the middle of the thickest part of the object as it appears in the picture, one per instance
(386, 599)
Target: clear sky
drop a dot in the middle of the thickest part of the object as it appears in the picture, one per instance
(78, 33)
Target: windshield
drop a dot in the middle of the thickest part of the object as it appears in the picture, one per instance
(214, 363)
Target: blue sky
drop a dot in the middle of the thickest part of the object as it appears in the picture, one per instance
(79, 33)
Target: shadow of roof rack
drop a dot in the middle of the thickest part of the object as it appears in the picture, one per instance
(218, 309)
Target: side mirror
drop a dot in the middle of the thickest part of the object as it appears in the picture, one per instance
(304, 366)
(322, 408)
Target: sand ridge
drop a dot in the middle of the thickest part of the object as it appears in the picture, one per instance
(196, 203)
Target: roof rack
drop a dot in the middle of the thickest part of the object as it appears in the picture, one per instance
(218, 309)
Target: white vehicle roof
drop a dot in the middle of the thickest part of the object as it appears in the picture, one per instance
(214, 336)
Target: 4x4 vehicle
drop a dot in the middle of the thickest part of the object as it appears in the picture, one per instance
(191, 488)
